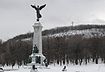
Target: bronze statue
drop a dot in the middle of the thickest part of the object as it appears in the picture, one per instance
(38, 10)
(35, 49)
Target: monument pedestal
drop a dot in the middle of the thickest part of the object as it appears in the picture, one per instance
(37, 56)
(37, 59)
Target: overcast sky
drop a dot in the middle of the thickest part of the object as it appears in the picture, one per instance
(17, 16)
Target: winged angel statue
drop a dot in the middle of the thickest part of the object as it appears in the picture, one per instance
(38, 10)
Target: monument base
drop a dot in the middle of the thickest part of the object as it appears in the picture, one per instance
(37, 59)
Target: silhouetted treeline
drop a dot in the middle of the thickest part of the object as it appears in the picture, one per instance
(23, 36)
(74, 49)
(65, 29)
(15, 51)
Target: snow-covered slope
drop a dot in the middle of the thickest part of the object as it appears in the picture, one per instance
(87, 33)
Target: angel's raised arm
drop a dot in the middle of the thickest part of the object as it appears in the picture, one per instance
(33, 6)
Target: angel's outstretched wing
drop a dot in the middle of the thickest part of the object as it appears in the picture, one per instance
(42, 6)
(33, 6)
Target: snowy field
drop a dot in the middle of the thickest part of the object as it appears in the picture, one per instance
(56, 68)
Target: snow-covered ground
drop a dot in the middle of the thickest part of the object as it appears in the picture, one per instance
(57, 68)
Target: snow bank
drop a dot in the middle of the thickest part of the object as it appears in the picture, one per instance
(56, 68)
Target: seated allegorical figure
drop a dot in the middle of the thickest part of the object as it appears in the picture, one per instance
(34, 69)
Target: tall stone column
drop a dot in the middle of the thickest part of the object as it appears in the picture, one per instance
(37, 43)
(37, 38)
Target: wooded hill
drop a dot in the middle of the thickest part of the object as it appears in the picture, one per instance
(63, 45)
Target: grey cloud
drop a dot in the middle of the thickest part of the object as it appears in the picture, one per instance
(98, 21)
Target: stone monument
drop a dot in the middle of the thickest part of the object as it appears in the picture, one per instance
(37, 56)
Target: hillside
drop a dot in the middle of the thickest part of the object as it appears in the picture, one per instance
(86, 31)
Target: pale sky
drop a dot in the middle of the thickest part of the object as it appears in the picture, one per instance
(17, 16)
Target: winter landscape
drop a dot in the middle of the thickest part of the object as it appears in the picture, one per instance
(87, 60)
(66, 36)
